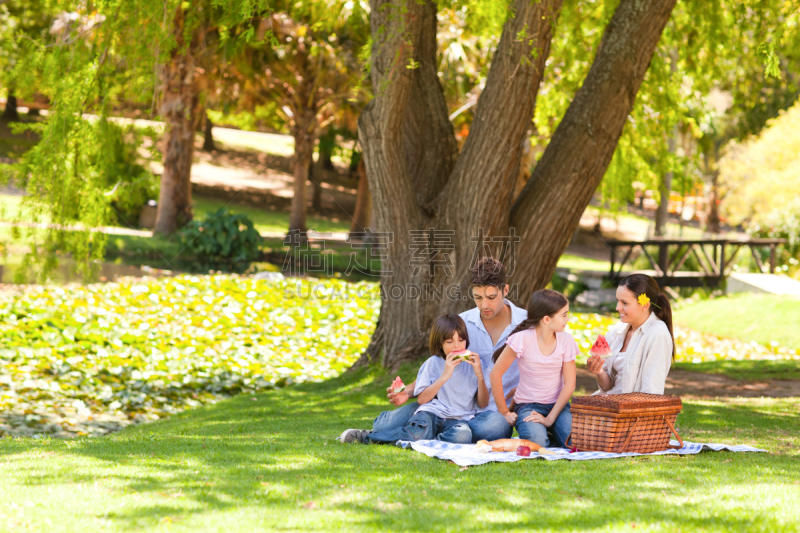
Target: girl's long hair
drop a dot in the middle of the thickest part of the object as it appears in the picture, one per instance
(644, 284)
(543, 303)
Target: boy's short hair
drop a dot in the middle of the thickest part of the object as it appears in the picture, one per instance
(443, 328)
(488, 272)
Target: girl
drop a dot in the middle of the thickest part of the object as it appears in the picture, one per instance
(450, 388)
(642, 344)
(546, 360)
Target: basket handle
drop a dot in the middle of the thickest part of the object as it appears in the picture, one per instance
(568, 441)
(672, 428)
(630, 435)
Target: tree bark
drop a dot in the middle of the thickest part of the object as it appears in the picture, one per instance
(428, 200)
(314, 176)
(549, 208)
(10, 113)
(208, 137)
(179, 107)
(363, 208)
(665, 189)
(303, 131)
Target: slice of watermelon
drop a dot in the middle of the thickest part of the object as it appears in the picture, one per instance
(461, 354)
(600, 347)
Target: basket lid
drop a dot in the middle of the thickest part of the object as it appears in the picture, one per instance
(632, 401)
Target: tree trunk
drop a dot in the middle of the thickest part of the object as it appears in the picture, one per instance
(314, 176)
(303, 131)
(10, 113)
(665, 187)
(208, 137)
(664, 190)
(428, 200)
(179, 107)
(363, 208)
(550, 206)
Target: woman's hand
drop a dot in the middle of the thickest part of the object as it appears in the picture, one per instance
(536, 417)
(595, 365)
(511, 418)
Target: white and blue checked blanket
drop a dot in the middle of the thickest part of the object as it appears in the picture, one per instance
(465, 454)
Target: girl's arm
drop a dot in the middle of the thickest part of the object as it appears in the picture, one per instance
(430, 393)
(483, 392)
(568, 372)
(496, 379)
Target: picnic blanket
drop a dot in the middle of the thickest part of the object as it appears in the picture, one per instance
(465, 454)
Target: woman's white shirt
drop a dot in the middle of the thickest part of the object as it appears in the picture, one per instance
(619, 368)
(645, 362)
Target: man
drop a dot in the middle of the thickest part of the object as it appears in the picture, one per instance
(488, 327)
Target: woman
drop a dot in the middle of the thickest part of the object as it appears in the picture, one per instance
(642, 344)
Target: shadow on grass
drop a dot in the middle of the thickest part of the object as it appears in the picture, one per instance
(277, 453)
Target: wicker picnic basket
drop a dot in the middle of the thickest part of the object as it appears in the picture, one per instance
(634, 422)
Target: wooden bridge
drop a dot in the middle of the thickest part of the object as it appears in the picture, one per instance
(714, 256)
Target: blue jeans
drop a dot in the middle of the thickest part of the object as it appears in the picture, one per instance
(489, 425)
(426, 426)
(395, 419)
(539, 433)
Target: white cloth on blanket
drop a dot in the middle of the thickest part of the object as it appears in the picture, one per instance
(465, 454)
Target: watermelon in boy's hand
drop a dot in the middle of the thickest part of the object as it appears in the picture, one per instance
(600, 347)
(398, 385)
(461, 354)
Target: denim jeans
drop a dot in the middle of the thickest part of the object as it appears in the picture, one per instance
(540, 434)
(396, 418)
(426, 426)
(489, 425)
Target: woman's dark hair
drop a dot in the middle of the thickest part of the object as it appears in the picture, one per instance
(443, 329)
(488, 272)
(659, 304)
(543, 303)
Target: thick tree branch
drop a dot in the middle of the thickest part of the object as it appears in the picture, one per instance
(549, 208)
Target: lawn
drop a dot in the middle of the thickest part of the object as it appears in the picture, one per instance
(763, 318)
(269, 461)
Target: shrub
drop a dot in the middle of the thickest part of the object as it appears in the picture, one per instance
(782, 224)
(221, 241)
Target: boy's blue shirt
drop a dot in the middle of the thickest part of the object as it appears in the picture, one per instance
(480, 342)
(457, 398)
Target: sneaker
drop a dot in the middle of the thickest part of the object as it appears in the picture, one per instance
(355, 435)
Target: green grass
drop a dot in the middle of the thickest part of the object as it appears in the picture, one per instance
(265, 220)
(763, 318)
(753, 370)
(269, 462)
(576, 262)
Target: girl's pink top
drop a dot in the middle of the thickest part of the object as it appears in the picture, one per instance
(540, 379)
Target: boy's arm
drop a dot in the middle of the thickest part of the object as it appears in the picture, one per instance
(430, 392)
(399, 398)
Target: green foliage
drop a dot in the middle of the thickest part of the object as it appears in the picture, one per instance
(153, 347)
(222, 240)
(131, 184)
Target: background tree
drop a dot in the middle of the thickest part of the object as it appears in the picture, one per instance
(435, 200)
(310, 67)
(97, 56)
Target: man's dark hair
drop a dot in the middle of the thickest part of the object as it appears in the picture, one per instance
(443, 329)
(488, 272)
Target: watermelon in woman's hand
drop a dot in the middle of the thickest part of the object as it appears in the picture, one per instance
(600, 347)
(398, 385)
